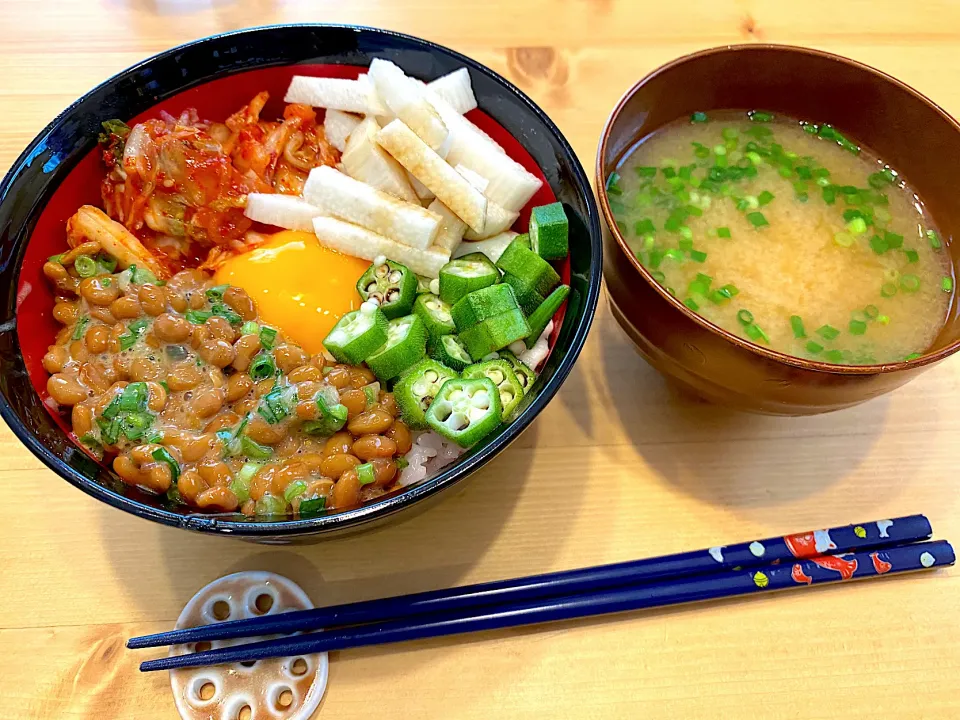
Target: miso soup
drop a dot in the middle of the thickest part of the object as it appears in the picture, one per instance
(785, 233)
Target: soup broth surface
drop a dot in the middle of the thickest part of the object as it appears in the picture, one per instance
(787, 234)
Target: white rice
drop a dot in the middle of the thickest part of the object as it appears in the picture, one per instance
(429, 454)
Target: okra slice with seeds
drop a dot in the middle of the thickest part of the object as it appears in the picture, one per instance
(415, 391)
(451, 351)
(357, 335)
(435, 314)
(405, 345)
(501, 374)
(466, 274)
(495, 333)
(465, 411)
(483, 304)
(549, 231)
(392, 285)
(539, 318)
(532, 270)
(525, 375)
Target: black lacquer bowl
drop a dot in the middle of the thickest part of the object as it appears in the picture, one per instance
(60, 170)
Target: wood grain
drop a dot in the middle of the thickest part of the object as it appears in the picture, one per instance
(618, 466)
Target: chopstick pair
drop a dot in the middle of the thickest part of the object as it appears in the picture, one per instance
(776, 563)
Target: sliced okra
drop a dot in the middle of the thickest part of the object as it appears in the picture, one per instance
(451, 351)
(525, 375)
(530, 269)
(357, 335)
(392, 285)
(466, 274)
(405, 345)
(527, 296)
(435, 314)
(483, 304)
(502, 375)
(465, 411)
(415, 391)
(495, 333)
(542, 315)
(549, 231)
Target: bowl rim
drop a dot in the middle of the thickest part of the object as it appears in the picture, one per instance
(353, 519)
(744, 344)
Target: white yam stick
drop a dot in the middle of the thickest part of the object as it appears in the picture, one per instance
(337, 127)
(434, 172)
(284, 211)
(360, 242)
(451, 227)
(341, 196)
(357, 96)
(364, 160)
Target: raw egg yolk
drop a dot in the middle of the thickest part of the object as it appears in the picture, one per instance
(299, 286)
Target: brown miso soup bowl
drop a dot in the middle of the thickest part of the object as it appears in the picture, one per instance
(903, 127)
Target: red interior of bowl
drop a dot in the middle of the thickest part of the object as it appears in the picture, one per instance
(215, 100)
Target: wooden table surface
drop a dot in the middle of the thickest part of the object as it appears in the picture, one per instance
(617, 467)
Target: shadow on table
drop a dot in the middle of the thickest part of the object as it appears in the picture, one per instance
(723, 456)
(415, 551)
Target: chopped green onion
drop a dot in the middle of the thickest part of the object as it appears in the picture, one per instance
(909, 283)
(134, 397)
(673, 254)
(833, 356)
(270, 505)
(686, 244)
(127, 342)
(829, 194)
(757, 219)
(80, 327)
(883, 319)
(700, 285)
(857, 327)
(198, 317)
(765, 198)
(699, 117)
(313, 506)
(692, 304)
(226, 312)
(253, 449)
(163, 455)
(815, 348)
(796, 322)
(249, 328)
(843, 239)
(760, 116)
(106, 262)
(857, 226)
(888, 290)
(644, 227)
(827, 332)
(686, 232)
(365, 473)
(755, 333)
(274, 406)
(754, 158)
(658, 276)
(241, 481)
(262, 367)
(216, 292)
(135, 425)
(294, 489)
(934, 239)
(745, 317)
(946, 283)
(86, 266)
(137, 327)
(698, 256)
(913, 356)
(139, 276)
(893, 240)
(612, 184)
(912, 256)
(268, 337)
(872, 312)
(785, 172)
(112, 409)
(878, 245)
(56, 258)
(646, 172)
(719, 150)
(723, 232)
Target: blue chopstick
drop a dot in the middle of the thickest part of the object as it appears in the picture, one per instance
(802, 573)
(787, 548)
